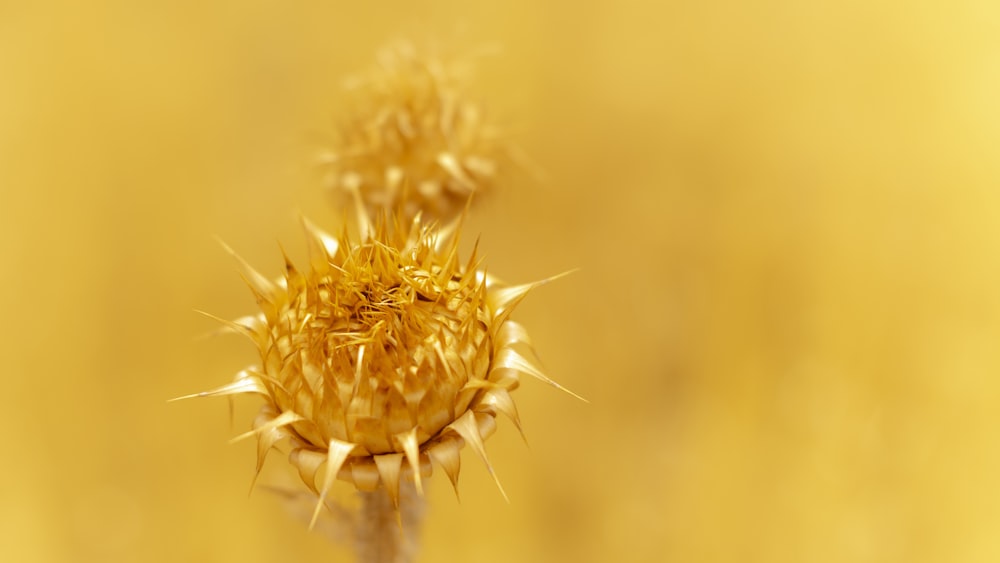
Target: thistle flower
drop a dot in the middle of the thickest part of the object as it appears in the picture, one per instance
(412, 137)
(382, 358)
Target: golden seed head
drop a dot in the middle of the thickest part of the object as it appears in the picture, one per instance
(382, 351)
(412, 139)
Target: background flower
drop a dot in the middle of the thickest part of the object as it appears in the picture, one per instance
(411, 137)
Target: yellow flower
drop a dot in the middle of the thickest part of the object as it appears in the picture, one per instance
(381, 358)
(412, 138)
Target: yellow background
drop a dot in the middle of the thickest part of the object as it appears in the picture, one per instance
(787, 314)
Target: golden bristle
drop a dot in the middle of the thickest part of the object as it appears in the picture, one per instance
(413, 139)
(382, 357)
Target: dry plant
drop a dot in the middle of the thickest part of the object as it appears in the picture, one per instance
(382, 357)
(387, 354)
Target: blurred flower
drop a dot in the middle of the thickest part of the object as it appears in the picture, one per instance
(382, 357)
(411, 136)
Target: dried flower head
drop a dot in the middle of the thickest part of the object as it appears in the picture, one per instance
(413, 137)
(382, 357)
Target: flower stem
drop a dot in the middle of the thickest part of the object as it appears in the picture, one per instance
(387, 535)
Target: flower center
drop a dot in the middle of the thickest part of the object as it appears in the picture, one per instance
(369, 355)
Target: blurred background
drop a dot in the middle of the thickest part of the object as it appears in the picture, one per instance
(786, 316)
